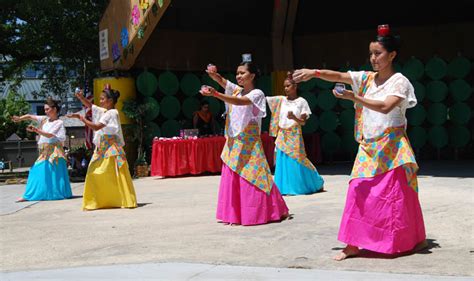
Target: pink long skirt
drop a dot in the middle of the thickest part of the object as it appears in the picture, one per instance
(382, 214)
(242, 203)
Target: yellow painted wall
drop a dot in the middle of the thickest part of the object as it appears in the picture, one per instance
(126, 87)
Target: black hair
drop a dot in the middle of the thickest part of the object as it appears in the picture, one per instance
(390, 43)
(112, 94)
(204, 102)
(289, 77)
(53, 104)
(253, 69)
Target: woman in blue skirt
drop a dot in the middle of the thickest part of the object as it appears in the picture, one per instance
(48, 179)
(294, 173)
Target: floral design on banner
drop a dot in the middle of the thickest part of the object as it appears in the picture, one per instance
(135, 15)
(131, 49)
(154, 9)
(160, 3)
(115, 52)
(141, 32)
(144, 4)
(124, 37)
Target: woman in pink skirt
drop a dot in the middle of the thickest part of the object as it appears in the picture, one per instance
(382, 211)
(247, 194)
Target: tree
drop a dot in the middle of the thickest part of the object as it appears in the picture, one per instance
(14, 104)
(58, 36)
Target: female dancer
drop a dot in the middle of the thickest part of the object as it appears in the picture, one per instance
(247, 194)
(108, 181)
(294, 173)
(382, 211)
(48, 179)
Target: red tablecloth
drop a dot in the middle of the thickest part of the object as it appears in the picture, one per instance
(180, 157)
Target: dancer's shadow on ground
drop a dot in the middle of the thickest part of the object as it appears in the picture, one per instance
(139, 205)
(373, 255)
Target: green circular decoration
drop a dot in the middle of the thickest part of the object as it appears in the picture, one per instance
(311, 125)
(307, 86)
(437, 113)
(417, 136)
(310, 98)
(459, 136)
(438, 136)
(349, 143)
(420, 91)
(152, 109)
(170, 128)
(460, 90)
(460, 113)
(147, 83)
(398, 67)
(416, 115)
(168, 83)
(366, 67)
(436, 91)
(326, 99)
(413, 69)
(436, 68)
(323, 84)
(151, 130)
(346, 103)
(170, 107)
(206, 80)
(231, 77)
(328, 121)
(190, 105)
(190, 84)
(264, 83)
(347, 68)
(215, 105)
(347, 119)
(330, 142)
(459, 67)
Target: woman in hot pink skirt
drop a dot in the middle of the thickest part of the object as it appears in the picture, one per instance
(382, 211)
(247, 194)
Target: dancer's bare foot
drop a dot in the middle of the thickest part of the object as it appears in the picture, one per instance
(21, 199)
(420, 246)
(349, 251)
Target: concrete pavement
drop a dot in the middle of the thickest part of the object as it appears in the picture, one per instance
(175, 224)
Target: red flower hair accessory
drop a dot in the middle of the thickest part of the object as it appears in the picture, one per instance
(383, 30)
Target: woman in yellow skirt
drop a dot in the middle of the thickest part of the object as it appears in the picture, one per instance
(108, 181)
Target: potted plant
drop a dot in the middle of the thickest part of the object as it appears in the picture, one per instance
(136, 111)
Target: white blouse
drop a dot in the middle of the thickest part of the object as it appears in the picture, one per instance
(55, 127)
(298, 106)
(375, 122)
(111, 120)
(242, 115)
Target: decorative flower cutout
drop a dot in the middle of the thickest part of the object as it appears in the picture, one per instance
(135, 15)
(144, 4)
(124, 37)
(141, 32)
(115, 52)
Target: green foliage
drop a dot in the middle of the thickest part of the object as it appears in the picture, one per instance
(14, 104)
(137, 111)
(51, 33)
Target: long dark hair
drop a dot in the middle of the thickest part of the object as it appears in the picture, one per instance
(390, 42)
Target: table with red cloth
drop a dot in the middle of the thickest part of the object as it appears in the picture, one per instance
(175, 157)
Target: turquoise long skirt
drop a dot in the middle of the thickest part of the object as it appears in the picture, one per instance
(293, 178)
(48, 181)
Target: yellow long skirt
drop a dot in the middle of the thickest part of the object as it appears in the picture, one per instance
(108, 186)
